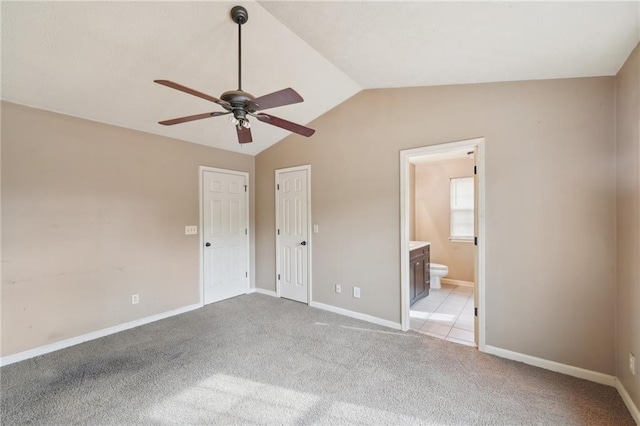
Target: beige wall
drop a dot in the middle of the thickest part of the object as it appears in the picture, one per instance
(432, 183)
(628, 222)
(550, 205)
(92, 214)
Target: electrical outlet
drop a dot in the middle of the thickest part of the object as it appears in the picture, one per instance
(135, 299)
(338, 288)
(315, 228)
(356, 292)
(190, 230)
(632, 363)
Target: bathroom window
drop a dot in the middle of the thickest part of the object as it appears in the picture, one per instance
(462, 223)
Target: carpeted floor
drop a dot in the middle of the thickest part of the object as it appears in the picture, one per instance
(260, 360)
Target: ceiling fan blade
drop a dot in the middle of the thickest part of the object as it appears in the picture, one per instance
(193, 92)
(191, 118)
(287, 125)
(244, 134)
(275, 99)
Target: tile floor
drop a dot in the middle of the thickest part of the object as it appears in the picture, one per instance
(446, 313)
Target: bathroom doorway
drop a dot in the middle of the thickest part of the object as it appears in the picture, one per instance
(442, 241)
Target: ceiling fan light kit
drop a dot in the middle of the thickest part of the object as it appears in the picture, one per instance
(240, 104)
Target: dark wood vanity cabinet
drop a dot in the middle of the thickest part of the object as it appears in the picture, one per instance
(420, 274)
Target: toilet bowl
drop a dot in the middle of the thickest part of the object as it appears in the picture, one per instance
(437, 271)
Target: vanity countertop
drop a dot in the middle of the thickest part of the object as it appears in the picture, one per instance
(418, 244)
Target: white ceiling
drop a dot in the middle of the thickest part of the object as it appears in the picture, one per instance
(98, 60)
(405, 44)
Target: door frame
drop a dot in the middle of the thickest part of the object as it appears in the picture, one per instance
(201, 170)
(405, 156)
(306, 167)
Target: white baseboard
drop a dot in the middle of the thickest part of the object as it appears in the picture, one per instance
(593, 376)
(31, 353)
(457, 282)
(262, 291)
(635, 413)
(356, 315)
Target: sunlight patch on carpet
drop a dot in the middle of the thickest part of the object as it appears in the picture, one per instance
(233, 399)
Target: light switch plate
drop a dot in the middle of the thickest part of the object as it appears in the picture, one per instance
(356, 292)
(315, 228)
(190, 230)
(135, 299)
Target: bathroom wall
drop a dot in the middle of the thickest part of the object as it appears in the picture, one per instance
(628, 223)
(432, 193)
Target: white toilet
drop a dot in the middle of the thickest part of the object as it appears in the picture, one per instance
(437, 271)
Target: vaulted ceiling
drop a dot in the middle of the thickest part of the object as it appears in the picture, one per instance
(98, 60)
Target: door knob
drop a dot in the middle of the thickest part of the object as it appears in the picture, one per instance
(304, 243)
(207, 244)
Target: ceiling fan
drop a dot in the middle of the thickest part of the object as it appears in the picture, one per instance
(240, 103)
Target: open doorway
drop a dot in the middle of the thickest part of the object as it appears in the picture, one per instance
(442, 241)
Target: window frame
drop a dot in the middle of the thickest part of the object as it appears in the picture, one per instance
(461, 238)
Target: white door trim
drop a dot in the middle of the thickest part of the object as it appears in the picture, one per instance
(306, 167)
(405, 155)
(201, 171)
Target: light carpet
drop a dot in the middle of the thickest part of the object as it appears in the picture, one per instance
(256, 359)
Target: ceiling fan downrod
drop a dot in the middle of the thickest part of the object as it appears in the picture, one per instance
(240, 16)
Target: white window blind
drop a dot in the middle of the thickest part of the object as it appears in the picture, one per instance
(462, 226)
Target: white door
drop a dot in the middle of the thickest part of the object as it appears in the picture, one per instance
(293, 235)
(224, 235)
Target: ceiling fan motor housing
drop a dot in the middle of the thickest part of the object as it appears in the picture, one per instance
(238, 101)
(237, 98)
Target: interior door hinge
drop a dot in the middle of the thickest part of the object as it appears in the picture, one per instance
(278, 277)
(246, 275)
(245, 188)
(278, 232)
(475, 170)
(475, 311)
(475, 241)
(245, 232)
(278, 187)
